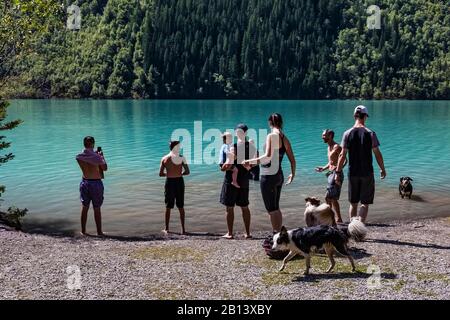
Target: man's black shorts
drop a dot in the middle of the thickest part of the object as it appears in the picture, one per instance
(361, 189)
(174, 192)
(232, 196)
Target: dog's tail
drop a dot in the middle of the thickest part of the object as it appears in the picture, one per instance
(356, 229)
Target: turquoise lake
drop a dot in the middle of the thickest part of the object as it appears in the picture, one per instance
(134, 135)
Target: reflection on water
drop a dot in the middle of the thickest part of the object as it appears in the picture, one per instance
(44, 176)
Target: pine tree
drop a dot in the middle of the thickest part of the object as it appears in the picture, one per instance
(5, 126)
(254, 44)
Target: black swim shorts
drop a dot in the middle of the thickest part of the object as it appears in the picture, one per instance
(174, 192)
(232, 196)
(361, 189)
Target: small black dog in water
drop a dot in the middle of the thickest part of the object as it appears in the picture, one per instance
(405, 187)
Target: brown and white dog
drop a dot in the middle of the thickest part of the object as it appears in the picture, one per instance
(322, 214)
(317, 214)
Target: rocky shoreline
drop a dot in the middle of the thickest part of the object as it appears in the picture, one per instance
(399, 260)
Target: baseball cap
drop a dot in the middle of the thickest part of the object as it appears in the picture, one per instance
(361, 109)
(241, 126)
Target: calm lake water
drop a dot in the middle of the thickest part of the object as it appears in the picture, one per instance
(134, 135)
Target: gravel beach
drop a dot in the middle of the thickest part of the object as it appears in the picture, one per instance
(399, 260)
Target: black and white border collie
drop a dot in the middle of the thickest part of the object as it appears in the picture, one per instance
(305, 241)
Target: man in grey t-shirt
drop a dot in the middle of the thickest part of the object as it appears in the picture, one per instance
(359, 141)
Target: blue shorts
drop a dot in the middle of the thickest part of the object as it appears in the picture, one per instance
(334, 189)
(91, 190)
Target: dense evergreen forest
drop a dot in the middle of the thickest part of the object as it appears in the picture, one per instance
(296, 49)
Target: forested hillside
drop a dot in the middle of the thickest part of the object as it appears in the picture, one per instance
(242, 49)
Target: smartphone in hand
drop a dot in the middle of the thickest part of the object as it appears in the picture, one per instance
(100, 152)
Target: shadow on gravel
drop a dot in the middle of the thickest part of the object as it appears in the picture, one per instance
(60, 228)
(53, 228)
(380, 225)
(359, 253)
(342, 275)
(171, 236)
(410, 244)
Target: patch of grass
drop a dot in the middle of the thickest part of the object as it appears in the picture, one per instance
(275, 278)
(225, 296)
(260, 261)
(164, 293)
(337, 297)
(24, 295)
(295, 268)
(343, 284)
(399, 269)
(423, 276)
(389, 270)
(318, 262)
(423, 293)
(399, 284)
(250, 294)
(321, 264)
(170, 253)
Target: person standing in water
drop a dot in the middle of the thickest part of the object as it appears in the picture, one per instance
(231, 196)
(92, 165)
(333, 189)
(174, 167)
(272, 177)
(360, 142)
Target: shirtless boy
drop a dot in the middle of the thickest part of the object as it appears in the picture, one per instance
(174, 167)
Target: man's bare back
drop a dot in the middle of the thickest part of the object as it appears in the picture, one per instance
(90, 171)
(173, 169)
(92, 165)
